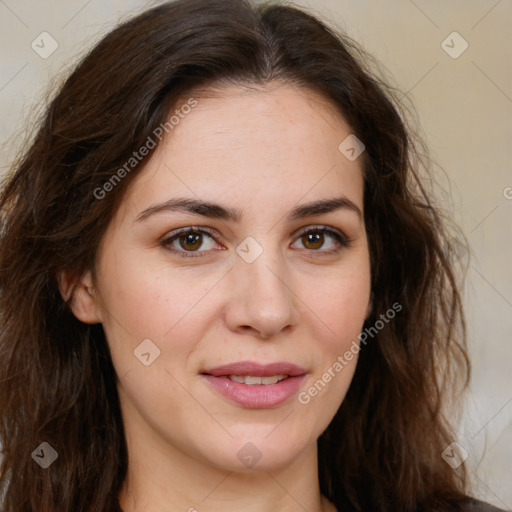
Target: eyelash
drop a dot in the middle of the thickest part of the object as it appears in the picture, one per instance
(343, 240)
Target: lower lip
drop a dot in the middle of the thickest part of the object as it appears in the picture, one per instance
(258, 396)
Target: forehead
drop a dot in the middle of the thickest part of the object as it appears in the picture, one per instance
(251, 147)
(258, 114)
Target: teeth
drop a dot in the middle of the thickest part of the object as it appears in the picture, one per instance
(251, 381)
(274, 379)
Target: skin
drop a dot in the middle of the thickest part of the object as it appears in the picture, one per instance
(262, 151)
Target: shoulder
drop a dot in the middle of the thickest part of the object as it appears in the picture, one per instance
(472, 505)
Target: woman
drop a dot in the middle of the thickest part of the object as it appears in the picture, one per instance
(223, 284)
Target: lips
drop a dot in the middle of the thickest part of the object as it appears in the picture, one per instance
(256, 386)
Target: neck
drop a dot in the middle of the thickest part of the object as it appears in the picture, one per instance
(163, 478)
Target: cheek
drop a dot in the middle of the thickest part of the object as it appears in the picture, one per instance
(339, 301)
(151, 297)
(157, 317)
(339, 305)
(155, 302)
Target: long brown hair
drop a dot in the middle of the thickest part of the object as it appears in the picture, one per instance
(382, 451)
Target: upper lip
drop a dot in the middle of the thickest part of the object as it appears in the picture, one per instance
(256, 369)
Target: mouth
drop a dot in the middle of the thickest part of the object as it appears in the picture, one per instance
(255, 386)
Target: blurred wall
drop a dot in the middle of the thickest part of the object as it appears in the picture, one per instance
(453, 59)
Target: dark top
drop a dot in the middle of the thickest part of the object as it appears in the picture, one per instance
(480, 506)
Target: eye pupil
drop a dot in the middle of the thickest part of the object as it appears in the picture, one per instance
(190, 239)
(315, 239)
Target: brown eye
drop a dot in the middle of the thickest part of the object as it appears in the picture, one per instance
(313, 240)
(190, 241)
(323, 240)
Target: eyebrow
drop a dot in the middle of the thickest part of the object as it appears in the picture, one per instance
(217, 211)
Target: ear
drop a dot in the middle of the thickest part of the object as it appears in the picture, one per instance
(83, 302)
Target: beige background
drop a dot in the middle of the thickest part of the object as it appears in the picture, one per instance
(465, 109)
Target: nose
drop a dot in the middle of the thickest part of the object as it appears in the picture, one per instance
(262, 301)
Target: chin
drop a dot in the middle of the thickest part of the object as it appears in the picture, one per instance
(256, 450)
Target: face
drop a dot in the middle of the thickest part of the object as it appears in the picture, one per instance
(233, 277)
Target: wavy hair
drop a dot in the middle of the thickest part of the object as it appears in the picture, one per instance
(382, 451)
